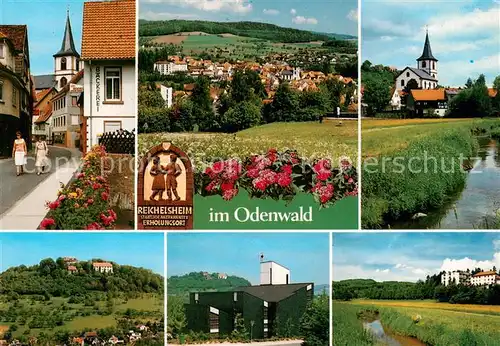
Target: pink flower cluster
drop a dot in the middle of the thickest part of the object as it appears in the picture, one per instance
(264, 173)
(323, 188)
(224, 175)
(107, 220)
(47, 222)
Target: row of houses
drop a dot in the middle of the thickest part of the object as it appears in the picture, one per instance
(87, 95)
(271, 75)
(419, 101)
(484, 278)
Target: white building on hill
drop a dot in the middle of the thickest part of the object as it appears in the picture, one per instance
(485, 278)
(103, 267)
(457, 277)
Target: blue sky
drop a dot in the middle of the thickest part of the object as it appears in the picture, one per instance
(46, 21)
(464, 36)
(411, 256)
(334, 16)
(307, 255)
(136, 249)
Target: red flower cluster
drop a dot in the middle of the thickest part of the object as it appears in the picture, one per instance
(108, 220)
(84, 202)
(223, 178)
(268, 170)
(324, 191)
(47, 222)
(323, 170)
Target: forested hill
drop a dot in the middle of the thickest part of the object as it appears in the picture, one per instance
(431, 288)
(53, 278)
(263, 31)
(199, 282)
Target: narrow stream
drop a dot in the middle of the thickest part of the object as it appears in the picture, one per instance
(476, 203)
(389, 339)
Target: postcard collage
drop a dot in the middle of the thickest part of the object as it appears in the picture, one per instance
(250, 172)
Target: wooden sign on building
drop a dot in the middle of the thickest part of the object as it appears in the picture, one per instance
(165, 189)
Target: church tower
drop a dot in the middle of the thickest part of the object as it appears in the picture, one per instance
(67, 59)
(427, 61)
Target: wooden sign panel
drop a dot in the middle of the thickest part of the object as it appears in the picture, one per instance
(165, 189)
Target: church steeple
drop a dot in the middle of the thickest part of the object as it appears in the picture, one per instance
(66, 60)
(68, 45)
(427, 53)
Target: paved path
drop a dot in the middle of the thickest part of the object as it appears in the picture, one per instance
(22, 199)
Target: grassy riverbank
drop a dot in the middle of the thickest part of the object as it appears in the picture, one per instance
(436, 325)
(413, 166)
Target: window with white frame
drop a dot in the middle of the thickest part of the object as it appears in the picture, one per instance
(113, 83)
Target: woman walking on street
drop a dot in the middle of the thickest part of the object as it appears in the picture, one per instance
(19, 153)
(41, 152)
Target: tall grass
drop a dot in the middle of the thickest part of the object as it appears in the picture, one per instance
(434, 327)
(432, 170)
(440, 330)
(347, 328)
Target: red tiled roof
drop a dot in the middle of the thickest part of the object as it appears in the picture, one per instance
(102, 264)
(16, 33)
(72, 268)
(41, 94)
(492, 92)
(428, 94)
(488, 273)
(108, 30)
(46, 113)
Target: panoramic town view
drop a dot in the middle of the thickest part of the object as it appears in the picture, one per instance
(257, 293)
(444, 289)
(430, 106)
(67, 115)
(108, 290)
(263, 101)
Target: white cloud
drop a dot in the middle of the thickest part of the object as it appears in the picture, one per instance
(353, 15)
(456, 72)
(468, 263)
(304, 20)
(387, 27)
(293, 12)
(464, 24)
(496, 244)
(237, 6)
(151, 15)
(343, 272)
(271, 12)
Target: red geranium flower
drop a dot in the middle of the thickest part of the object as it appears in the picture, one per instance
(105, 196)
(47, 222)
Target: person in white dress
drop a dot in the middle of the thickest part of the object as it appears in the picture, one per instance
(41, 152)
(19, 153)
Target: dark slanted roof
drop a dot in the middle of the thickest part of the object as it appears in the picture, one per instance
(427, 53)
(68, 45)
(272, 293)
(422, 74)
(45, 81)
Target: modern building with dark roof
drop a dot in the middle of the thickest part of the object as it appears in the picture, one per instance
(275, 307)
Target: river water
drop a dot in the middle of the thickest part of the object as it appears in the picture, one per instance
(476, 204)
(389, 339)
